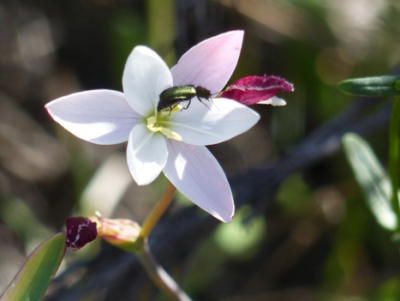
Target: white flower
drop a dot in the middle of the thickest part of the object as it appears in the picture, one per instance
(172, 142)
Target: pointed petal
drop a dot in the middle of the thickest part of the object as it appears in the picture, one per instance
(210, 63)
(214, 123)
(196, 173)
(145, 76)
(146, 153)
(98, 116)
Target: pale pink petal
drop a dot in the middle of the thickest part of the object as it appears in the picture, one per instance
(210, 63)
(97, 116)
(146, 153)
(195, 172)
(211, 123)
(145, 76)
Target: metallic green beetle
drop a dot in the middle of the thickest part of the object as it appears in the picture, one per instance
(171, 97)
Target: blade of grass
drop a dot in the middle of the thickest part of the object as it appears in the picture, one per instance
(372, 178)
(33, 279)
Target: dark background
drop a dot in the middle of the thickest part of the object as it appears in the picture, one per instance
(302, 230)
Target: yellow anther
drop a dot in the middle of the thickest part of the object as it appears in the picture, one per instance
(168, 111)
(153, 126)
(171, 134)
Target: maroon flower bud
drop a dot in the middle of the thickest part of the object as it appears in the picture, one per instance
(80, 231)
(252, 90)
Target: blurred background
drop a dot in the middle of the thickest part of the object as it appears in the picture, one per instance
(302, 230)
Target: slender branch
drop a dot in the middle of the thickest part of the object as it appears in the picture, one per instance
(394, 148)
(159, 276)
(158, 211)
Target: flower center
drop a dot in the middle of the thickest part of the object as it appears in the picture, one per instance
(156, 123)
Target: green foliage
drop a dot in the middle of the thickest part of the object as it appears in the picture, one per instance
(379, 86)
(20, 218)
(34, 277)
(372, 178)
(311, 43)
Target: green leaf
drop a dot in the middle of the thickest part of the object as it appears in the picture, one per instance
(372, 179)
(379, 86)
(33, 279)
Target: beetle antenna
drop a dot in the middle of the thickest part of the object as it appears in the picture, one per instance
(209, 99)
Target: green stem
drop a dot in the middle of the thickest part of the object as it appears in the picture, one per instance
(394, 162)
(158, 211)
(159, 276)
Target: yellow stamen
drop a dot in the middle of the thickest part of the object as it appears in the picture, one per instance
(154, 126)
(168, 111)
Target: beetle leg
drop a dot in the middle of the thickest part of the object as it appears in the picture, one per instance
(172, 107)
(204, 102)
(187, 107)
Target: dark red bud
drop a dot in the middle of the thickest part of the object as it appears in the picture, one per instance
(251, 90)
(80, 231)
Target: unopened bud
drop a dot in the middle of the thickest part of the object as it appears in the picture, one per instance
(122, 233)
(258, 90)
(80, 231)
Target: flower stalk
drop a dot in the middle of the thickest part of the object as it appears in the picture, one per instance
(130, 237)
(158, 211)
(159, 276)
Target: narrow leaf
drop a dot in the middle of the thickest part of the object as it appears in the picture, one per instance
(372, 178)
(33, 279)
(378, 86)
